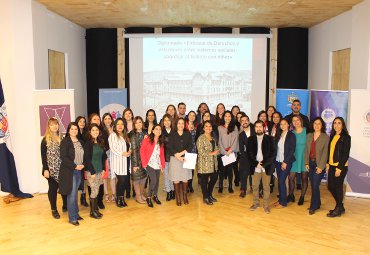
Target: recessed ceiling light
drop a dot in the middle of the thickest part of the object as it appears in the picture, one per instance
(252, 9)
(292, 2)
(107, 2)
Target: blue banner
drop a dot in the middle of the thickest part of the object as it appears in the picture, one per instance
(113, 101)
(285, 98)
(328, 105)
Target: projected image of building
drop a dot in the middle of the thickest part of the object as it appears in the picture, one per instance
(162, 88)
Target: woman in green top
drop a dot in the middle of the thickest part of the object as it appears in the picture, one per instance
(298, 165)
(95, 158)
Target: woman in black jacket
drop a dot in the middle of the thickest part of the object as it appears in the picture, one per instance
(339, 148)
(285, 145)
(72, 155)
(95, 157)
(50, 155)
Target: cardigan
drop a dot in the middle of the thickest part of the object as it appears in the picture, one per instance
(228, 140)
(88, 156)
(206, 163)
(146, 151)
(67, 167)
(322, 144)
(268, 152)
(177, 143)
(341, 151)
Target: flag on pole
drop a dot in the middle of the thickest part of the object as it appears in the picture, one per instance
(8, 172)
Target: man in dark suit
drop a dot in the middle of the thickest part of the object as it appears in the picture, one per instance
(244, 162)
(262, 154)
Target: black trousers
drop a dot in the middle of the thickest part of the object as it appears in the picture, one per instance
(52, 194)
(335, 184)
(207, 182)
(244, 173)
(224, 171)
(128, 183)
(122, 181)
(236, 171)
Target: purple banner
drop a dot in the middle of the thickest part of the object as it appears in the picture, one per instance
(328, 105)
(358, 177)
(61, 112)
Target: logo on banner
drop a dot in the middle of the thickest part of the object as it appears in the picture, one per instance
(4, 132)
(61, 112)
(328, 115)
(367, 117)
(292, 97)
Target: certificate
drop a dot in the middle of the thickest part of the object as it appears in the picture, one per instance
(226, 160)
(190, 160)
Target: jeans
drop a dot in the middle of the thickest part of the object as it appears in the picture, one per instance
(282, 175)
(315, 180)
(72, 198)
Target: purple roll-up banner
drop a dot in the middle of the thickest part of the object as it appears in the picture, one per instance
(358, 177)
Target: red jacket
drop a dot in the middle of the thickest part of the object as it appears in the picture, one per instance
(146, 151)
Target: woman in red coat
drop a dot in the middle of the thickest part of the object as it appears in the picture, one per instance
(152, 159)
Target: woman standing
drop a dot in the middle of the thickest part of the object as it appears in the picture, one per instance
(111, 178)
(339, 148)
(72, 155)
(220, 109)
(166, 125)
(286, 146)
(262, 116)
(229, 143)
(315, 158)
(191, 125)
(150, 120)
(95, 157)
(179, 144)
(119, 145)
(50, 155)
(128, 117)
(138, 173)
(171, 110)
(270, 111)
(152, 155)
(298, 165)
(207, 162)
(82, 135)
(274, 124)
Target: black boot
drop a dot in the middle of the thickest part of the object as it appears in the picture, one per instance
(301, 200)
(149, 202)
(124, 202)
(220, 186)
(173, 197)
(156, 200)
(168, 198)
(83, 200)
(190, 186)
(335, 213)
(93, 213)
(100, 197)
(55, 214)
(119, 202)
(230, 189)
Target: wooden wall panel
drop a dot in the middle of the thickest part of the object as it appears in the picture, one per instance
(340, 69)
(57, 77)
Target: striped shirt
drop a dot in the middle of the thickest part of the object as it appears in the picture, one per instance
(79, 153)
(118, 162)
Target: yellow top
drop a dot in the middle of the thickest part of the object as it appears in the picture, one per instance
(331, 155)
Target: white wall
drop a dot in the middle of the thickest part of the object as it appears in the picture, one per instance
(54, 32)
(331, 35)
(28, 30)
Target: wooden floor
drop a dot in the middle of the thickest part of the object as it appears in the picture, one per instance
(227, 227)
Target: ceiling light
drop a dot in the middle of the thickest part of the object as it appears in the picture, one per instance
(107, 2)
(252, 9)
(292, 2)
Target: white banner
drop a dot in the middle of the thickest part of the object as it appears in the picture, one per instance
(358, 176)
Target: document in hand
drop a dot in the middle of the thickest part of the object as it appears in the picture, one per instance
(190, 160)
(226, 160)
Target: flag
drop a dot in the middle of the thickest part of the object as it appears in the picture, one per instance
(8, 172)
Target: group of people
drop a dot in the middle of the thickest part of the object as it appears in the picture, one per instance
(129, 153)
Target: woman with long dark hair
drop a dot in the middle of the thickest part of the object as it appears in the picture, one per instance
(191, 125)
(274, 124)
(220, 109)
(207, 162)
(339, 148)
(315, 158)
(171, 110)
(285, 143)
(229, 143)
(82, 135)
(95, 157)
(50, 155)
(119, 144)
(167, 128)
(150, 120)
(270, 111)
(179, 143)
(153, 160)
(138, 173)
(72, 155)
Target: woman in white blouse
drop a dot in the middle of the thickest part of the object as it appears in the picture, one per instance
(119, 158)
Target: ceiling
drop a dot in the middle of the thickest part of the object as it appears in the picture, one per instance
(198, 13)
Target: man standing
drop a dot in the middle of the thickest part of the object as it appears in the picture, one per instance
(262, 153)
(181, 109)
(296, 110)
(244, 162)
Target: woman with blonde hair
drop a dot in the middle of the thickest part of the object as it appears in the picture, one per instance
(50, 155)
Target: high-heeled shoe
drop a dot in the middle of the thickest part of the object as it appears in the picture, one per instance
(55, 214)
(149, 202)
(156, 200)
(301, 200)
(168, 197)
(173, 197)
